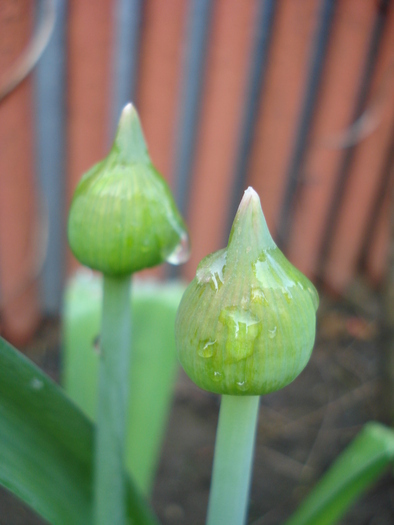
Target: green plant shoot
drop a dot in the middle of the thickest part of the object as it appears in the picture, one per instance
(122, 219)
(245, 327)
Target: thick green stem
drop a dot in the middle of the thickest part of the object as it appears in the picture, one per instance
(233, 459)
(109, 481)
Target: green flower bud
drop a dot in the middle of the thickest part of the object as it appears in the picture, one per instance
(123, 217)
(246, 323)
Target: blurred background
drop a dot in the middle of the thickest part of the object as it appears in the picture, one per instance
(293, 97)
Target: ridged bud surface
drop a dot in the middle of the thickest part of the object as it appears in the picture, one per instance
(123, 217)
(246, 323)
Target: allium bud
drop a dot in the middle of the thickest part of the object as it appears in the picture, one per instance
(123, 217)
(246, 323)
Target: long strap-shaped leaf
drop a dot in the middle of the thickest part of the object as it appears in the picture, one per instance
(352, 473)
(46, 446)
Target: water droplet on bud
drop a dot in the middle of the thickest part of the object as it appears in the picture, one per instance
(242, 386)
(181, 252)
(217, 376)
(207, 349)
(36, 383)
(287, 294)
(258, 296)
(314, 297)
(272, 333)
(211, 270)
(242, 330)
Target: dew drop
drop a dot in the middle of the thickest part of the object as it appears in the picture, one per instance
(270, 272)
(287, 294)
(181, 253)
(242, 386)
(216, 281)
(217, 376)
(207, 349)
(36, 383)
(272, 333)
(244, 302)
(243, 328)
(258, 296)
(315, 297)
(211, 270)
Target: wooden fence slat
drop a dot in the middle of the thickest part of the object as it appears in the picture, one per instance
(160, 62)
(364, 177)
(295, 23)
(263, 29)
(18, 214)
(228, 58)
(89, 58)
(374, 257)
(158, 78)
(318, 52)
(378, 252)
(89, 51)
(344, 63)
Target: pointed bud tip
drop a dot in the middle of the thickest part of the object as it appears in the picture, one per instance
(128, 114)
(129, 137)
(128, 108)
(249, 196)
(250, 217)
(251, 193)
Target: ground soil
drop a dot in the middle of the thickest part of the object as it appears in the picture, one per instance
(301, 429)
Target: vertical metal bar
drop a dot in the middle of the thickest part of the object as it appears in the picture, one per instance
(49, 84)
(128, 14)
(343, 173)
(198, 31)
(262, 37)
(294, 174)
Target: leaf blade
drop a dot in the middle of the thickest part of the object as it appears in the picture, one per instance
(153, 365)
(46, 446)
(356, 469)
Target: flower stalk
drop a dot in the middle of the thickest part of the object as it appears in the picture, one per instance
(109, 480)
(122, 219)
(245, 327)
(233, 460)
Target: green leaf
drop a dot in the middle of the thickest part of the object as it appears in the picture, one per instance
(153, 364)
(46, 446)
(356, 469)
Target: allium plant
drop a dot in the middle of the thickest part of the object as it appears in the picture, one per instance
(245, 327)
(122, 219)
